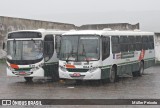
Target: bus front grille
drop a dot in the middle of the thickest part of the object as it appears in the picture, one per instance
(76, 70)
(23, 69)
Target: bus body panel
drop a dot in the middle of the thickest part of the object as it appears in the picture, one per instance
(127, 65)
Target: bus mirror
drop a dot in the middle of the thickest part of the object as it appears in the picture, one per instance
(4, 45)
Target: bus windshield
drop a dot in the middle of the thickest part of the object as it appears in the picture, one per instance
(24, 49)
(79, 48)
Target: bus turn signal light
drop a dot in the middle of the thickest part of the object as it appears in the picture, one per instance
(70, 66)
(14, 66)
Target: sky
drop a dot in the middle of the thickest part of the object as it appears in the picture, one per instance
(79, 12)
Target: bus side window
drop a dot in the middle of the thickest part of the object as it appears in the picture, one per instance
(145, 44)
(138, 43)
(57, 44)
(151, 42)
(131, 43)
(48, 47)
(115, 44)
(124, 43)
(105, 47)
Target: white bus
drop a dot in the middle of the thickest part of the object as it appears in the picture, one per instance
(33, 53)
(95, 55)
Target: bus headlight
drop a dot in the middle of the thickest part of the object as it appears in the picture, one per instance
(35, 68)
(62, 68)
(93, 69)
(41, 65)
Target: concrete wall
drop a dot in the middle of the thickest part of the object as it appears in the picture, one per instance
(157, 47)
(115, 26)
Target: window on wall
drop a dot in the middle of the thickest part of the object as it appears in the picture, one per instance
(105, 47)
(138, 43)
(151, 42)
(131, 43)
(145, 42)
(48, 46)
(115, 44)
(123, 43)
(57, 44)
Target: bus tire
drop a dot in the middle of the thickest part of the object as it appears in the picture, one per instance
(28, 79)
(141, 69)
(113, 75)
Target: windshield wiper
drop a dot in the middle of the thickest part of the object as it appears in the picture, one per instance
(33, 41)
(69, 54)
(84, 52)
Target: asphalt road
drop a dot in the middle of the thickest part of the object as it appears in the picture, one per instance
(145, 87)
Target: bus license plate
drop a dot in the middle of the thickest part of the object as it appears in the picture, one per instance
(22, 73)
(76, 75)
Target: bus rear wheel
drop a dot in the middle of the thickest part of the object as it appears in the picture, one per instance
(141, 69)
(28, 79)
(113, 75)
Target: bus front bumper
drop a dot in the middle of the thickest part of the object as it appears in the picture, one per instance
(89, 75)
(36, 73)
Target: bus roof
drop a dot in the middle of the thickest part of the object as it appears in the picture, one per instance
(105, 32)
(54, 31)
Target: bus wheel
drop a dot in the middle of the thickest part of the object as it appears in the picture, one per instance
(113, 75)
(28, 79)
(141, 69)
